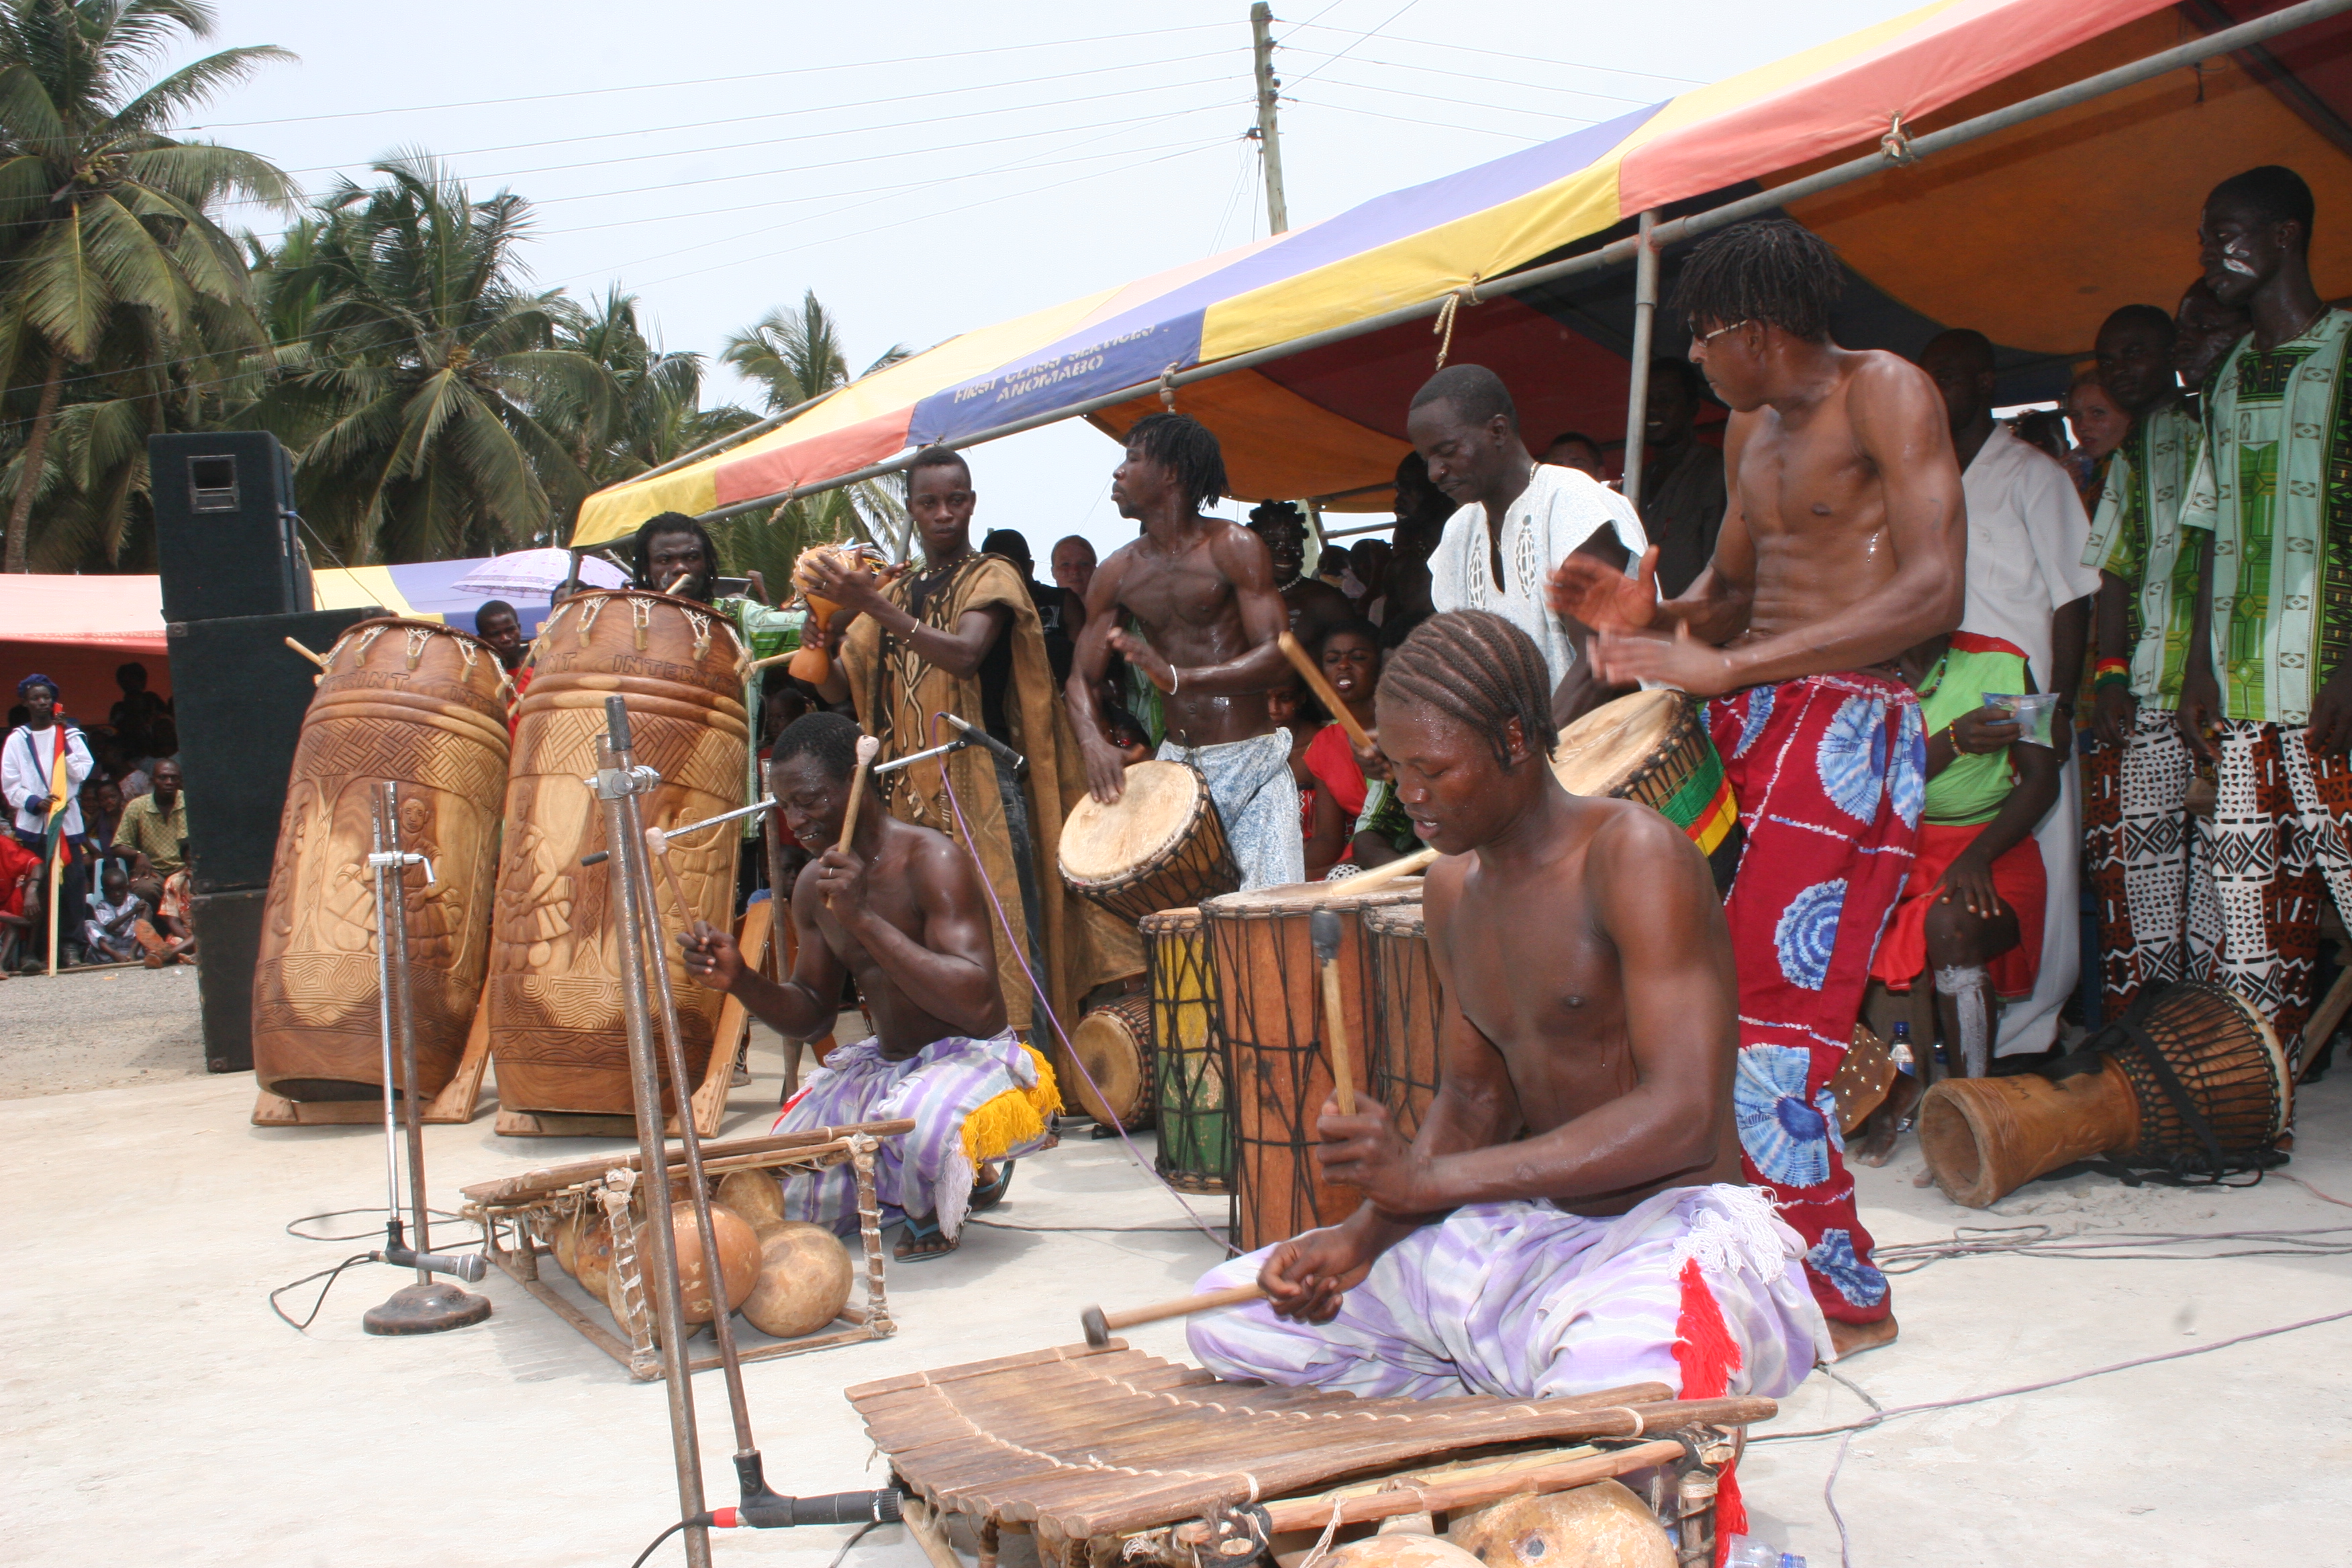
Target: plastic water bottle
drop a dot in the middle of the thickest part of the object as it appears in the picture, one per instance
(1901, 1049)
(1746, 1551)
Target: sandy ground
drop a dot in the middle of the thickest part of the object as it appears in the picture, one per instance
(101, 1028)
(148, 1386)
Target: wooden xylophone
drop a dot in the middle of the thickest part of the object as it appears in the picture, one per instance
(1081, 1445)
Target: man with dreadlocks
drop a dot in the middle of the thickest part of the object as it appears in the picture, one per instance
(1201, 591)
(1570, 1214)
(961, 634)
(673, 553)
(1844, 543)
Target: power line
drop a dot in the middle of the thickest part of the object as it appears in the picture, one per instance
(738, 120)
(1455, 102)
(703, 81)
(1434, 124)
(1361, 37)
(1532, 60)
(1491, 80)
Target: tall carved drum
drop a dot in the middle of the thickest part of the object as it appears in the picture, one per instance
(424, 706)
(556, 1029)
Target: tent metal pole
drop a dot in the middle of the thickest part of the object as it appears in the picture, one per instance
(1673, 232)
(1637, 385)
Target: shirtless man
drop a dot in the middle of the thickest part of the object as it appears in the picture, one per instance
(1555, 1218)
(1201, 592)
(902, 911)
(1844, 542)
(1315, 606)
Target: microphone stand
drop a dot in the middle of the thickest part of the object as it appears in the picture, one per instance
(430, 1306)
(626, 833)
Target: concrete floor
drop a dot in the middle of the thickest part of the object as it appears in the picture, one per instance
(155, 1409)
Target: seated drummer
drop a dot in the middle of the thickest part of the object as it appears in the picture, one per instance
(1572, 1205)
(903, 912)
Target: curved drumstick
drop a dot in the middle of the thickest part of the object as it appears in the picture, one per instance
(658, 842)
(868, 748)
(1305, 665)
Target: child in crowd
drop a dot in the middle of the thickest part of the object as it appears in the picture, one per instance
(1291, 709)
(108, 933)
(1970, 919)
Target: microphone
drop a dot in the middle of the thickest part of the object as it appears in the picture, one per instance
(467, 1266)
(838, 1508)
(979, 737)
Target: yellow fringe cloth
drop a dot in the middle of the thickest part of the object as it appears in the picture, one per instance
(1013, 1118)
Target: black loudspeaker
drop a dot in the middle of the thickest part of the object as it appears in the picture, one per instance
(228, 928)
(226, 537)
(239, 694)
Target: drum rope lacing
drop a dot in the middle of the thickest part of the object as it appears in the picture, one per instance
(963, 832)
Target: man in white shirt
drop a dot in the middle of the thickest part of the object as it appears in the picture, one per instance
(28, 763)
(1518, 519)
(2026, 586)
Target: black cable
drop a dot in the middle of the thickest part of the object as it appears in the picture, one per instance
(329, 1275)
(440, 1214)
(656, 1546)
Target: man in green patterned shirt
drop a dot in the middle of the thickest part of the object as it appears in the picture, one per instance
(2136, 767)
(2265, 689)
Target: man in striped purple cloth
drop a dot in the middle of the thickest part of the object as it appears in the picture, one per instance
(1571, 1216)
(901, 908)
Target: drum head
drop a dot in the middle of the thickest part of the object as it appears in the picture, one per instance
(1106, 1046)
(1170, 922)
(1602, 750)
(1397, 920)
(1102, 842)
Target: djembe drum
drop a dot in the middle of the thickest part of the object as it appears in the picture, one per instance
(1269, 1009)
(1401, 1052)
(1194, 1112)
(1113, 1048)
(2191, 1080)
(424, 706)
(1653, 747)
(555, 995)
(1160, 847)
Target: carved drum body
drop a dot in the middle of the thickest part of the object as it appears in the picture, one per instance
(424, 706)
(556, 1027)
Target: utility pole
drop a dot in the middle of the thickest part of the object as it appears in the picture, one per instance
(1269, 137)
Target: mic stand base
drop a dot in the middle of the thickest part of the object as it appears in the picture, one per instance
(426, 1309)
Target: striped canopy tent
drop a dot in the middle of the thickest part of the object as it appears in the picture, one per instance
(2018, 166)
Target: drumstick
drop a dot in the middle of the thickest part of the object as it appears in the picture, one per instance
(1418, 860)
(1307, 667)
(658, 842)
(1323, 927)
(867, 748)
(306, 653)
(1098, 1325)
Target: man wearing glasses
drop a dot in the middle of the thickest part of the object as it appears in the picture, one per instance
(1844, 542)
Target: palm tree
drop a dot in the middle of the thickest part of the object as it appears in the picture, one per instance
(655, 412)
(795, 356)
(111, 252)
(412, 406)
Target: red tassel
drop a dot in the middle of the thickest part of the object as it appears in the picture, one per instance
(1708, 1355)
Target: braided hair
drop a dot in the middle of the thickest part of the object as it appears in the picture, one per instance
(1772, 270)
(661, 522)
(1187, 449)
(1482, 669)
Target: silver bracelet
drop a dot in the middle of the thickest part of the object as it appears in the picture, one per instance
(1175, 680)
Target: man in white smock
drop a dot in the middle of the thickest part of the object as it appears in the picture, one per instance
(1517, 521)
(2027, 586)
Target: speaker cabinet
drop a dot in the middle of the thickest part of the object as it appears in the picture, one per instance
(226, 537)
(228, 928)
(240, 694)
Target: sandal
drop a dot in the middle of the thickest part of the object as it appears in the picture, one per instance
(988, 1194)
(923, 1241)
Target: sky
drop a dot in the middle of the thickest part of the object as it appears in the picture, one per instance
(930, 168)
